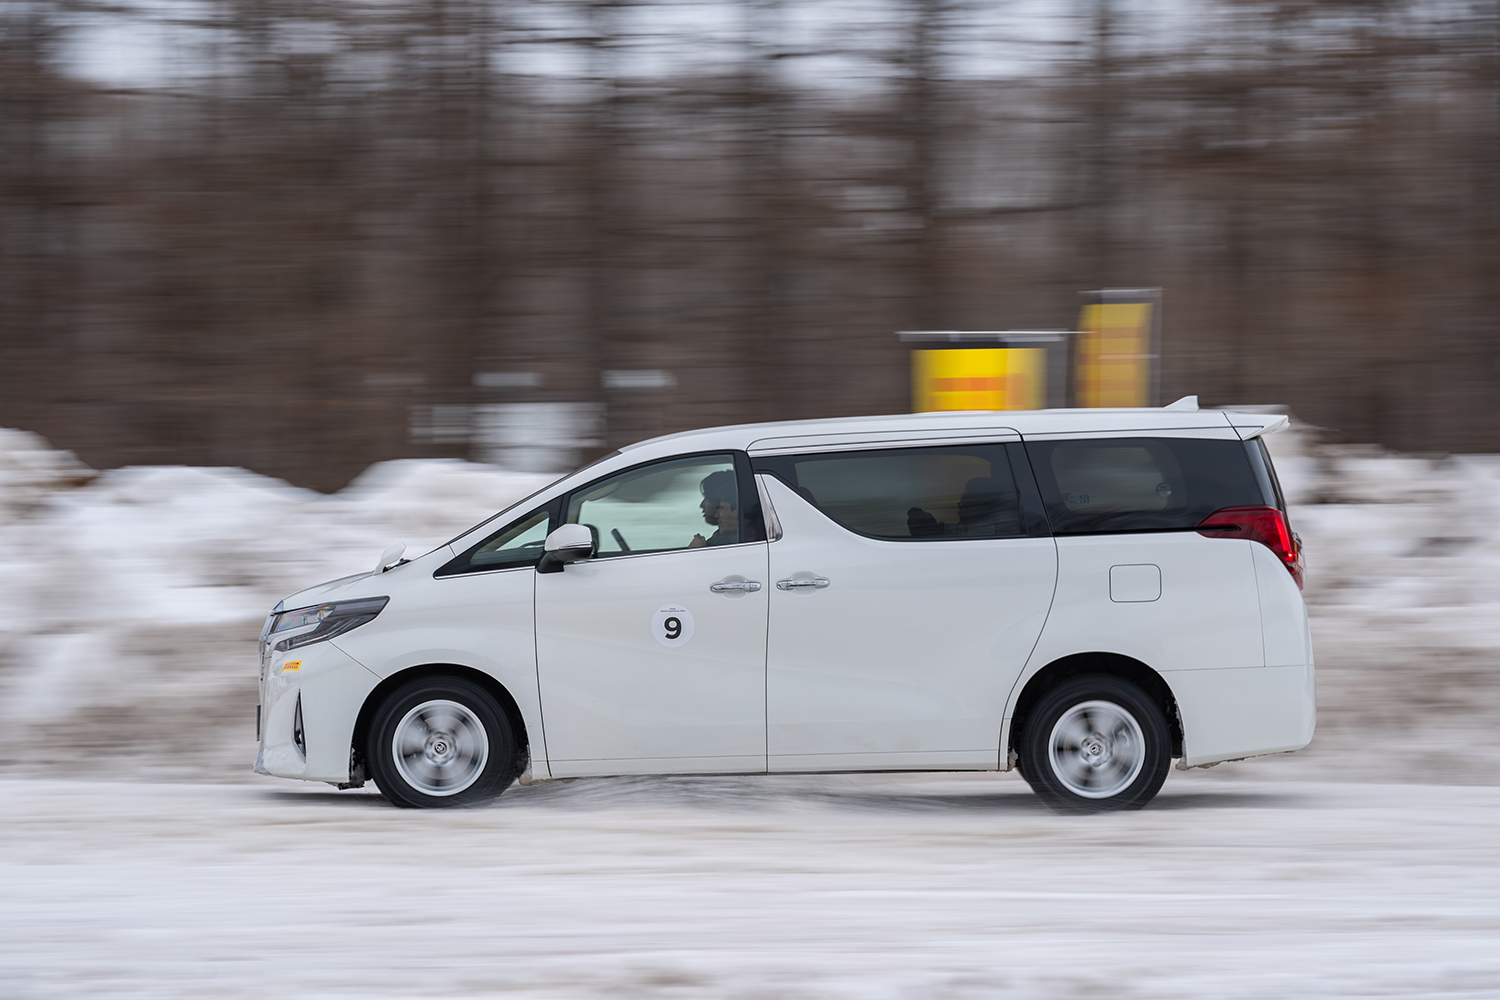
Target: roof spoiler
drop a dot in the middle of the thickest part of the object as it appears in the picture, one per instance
(1257, 421)
(1249, 421)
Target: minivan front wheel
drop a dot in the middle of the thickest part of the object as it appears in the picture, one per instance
(1095, 743)
(440, 741)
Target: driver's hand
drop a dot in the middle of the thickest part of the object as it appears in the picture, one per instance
(698, 542)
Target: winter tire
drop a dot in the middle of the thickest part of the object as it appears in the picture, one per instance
(1095, 743)
(440, 742)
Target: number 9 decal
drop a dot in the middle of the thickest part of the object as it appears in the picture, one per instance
(672, 625)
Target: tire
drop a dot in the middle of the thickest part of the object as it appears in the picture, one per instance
(441, 742)
(1095, 743)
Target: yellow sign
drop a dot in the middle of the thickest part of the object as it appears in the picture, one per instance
(978, 378)
(1113, 365)
(291, 666)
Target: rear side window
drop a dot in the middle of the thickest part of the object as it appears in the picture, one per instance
(909, 494)
(1140, 484)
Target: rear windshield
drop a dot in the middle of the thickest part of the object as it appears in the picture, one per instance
(1141, 484)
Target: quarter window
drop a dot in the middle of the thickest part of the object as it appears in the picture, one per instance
(679, 504)
(909, 494)
(517, 544)
(1140, 484)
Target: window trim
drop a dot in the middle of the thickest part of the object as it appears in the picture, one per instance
(752, 520)
(1033, 507)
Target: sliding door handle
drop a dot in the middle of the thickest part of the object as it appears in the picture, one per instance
(738, 586)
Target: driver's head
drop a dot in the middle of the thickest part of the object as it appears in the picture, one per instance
(720, 498)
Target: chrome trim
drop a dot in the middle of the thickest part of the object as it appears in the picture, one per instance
(299, 734)
(744, 586)
(768, 512)
(817, 583)
(886, 444)
(913, 437)
(594, 560)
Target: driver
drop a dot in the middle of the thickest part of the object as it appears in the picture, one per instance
(720, 509)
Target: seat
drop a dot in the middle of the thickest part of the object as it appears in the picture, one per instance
(920, 524)
(988, 510)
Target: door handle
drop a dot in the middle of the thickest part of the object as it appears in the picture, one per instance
(816, 584)
(743, 586)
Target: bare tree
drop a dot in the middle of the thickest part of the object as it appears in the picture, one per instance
(297, 253)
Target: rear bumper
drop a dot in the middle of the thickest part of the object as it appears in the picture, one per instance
(1233, 713)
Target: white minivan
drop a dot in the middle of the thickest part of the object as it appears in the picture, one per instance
(1084, 595)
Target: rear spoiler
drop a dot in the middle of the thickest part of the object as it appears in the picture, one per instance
(1250, 424)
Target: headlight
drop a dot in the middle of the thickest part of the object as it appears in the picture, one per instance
(326, 621)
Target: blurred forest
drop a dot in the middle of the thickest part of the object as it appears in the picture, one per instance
(319, 234)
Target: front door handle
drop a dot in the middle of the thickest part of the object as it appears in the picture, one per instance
(817, 583)
(739, 586)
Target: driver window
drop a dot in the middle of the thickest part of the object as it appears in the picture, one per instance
(682, 503)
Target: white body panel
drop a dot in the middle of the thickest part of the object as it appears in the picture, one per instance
(617, 700)
(853, 677)
(1285, 631)
(482, 621)
(1228, 714)
(1208, 614)
(1203, 635)
(905, 659)
(1243, 712)
(333, 686)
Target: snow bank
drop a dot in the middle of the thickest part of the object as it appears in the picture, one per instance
(1403, 587)
(138, 588)
(133, 598)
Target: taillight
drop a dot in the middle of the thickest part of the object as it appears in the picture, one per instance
(1266, 525)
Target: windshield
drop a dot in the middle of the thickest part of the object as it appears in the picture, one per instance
(527, 498)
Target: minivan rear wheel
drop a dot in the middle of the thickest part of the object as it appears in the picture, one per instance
(440, 741)
(1095, 743)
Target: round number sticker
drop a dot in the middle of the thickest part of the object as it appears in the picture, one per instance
(672, 625)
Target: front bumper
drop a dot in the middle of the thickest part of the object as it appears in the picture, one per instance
(322, 688)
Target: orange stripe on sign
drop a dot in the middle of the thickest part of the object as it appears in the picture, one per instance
(974, 383)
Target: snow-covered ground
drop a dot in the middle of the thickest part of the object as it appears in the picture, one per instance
(929, 888)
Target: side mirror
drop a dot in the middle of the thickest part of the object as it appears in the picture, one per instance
(569, 543)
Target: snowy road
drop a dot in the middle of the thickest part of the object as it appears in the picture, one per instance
(868, 887)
